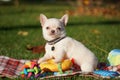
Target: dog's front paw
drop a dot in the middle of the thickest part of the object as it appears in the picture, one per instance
(40, 60)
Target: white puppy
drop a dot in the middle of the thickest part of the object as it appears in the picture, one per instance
(59, 46)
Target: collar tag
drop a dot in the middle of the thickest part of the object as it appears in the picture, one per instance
(52, 48)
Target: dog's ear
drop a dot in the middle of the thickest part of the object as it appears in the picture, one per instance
(64, 19)
(43, 19)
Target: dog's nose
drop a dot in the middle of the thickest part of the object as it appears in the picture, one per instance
(52, 31)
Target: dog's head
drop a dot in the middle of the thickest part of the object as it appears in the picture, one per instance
(53, 28)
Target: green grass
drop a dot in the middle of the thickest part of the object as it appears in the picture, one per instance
(99, 34)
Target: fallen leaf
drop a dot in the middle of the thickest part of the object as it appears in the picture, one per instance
(36, 49)
(23, 33)
(95, 31)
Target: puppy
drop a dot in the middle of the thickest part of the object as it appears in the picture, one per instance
(60, 46)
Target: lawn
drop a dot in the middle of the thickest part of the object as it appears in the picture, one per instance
(98, 33)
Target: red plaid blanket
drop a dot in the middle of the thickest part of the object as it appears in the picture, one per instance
(10, 67)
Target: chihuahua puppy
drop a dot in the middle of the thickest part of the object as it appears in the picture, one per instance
(59, 46)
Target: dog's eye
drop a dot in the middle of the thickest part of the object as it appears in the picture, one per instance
(59, 28)
(47, 28)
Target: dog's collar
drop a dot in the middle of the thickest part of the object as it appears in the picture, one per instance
(52, 42)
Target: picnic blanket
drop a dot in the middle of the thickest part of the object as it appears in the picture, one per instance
(10, 67)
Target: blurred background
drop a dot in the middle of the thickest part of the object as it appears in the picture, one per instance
(96, 23)
(23, 9)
